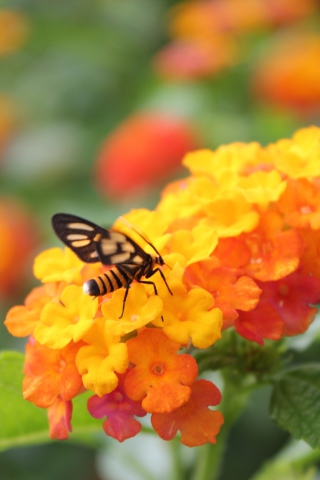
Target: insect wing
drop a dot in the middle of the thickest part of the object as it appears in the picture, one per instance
(79, 235)
(118, 249)
(92, 243)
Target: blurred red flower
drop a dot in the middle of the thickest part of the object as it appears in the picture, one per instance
(143, 151)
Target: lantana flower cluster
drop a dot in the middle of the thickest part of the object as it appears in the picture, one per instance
(240, 240)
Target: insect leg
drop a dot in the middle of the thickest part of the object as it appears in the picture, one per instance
(155, 289)
(163, 277)
(150, 283)
(127, 286)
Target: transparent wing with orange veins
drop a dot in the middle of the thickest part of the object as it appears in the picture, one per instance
(92, 243)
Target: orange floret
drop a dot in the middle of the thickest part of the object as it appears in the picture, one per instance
(161, 378)
(50, 374)
(300, 204)
(59, 416)
(197, 423)
(21, 320)
(275, 252)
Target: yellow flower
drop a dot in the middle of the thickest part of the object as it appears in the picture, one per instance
(181, 203)
(224, 163)
(68, 320)
(189, 317)
(101, 358)
(298, 157)
(262, 188)
(231, 217)
(57, 265)
(194, 245)
(139, 310)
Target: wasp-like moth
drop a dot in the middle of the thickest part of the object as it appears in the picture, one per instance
(93, 244)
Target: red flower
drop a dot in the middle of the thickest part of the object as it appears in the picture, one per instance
(119, 410)
(284, 308)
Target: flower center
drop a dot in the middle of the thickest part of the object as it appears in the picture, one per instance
(158, 368)
(118, 397)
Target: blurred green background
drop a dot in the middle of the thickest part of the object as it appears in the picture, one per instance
(71, 72)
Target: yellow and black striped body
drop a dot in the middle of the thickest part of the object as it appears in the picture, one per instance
(93, 244)
(111, 280)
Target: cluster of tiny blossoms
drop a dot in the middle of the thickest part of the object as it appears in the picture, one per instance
(240, 239)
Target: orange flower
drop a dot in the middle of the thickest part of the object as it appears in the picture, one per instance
(275, 252)
(197, 423)
(300, 204)
(206, 33)
(310, 259)
(8, 119)
(59, 416)
(18, 240)
(288, 75)
(231, 292)
(196, 58)
(141, 152)
(202, 17)
(50, 374)
(13, 30)
(21, 320)
(160, 378)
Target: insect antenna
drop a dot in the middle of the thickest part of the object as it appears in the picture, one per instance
(142, 235)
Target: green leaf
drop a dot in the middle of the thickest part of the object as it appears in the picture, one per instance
(22, 423)
(296, 461)
(295, 403)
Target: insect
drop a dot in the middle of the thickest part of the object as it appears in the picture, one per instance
(93, 244)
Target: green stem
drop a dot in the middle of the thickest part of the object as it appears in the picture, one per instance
(235, 397)
(177, 472)
(209, 459)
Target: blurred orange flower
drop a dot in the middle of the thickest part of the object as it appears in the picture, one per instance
(141, 152)
(13, 31)
(8, 119)
(289, 75)
(206, 33)
(18, 240)
(204, 17)
(196, 58)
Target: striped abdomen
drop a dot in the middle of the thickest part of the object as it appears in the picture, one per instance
(108, 282)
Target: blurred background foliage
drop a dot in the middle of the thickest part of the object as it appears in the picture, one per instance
(99, 101)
